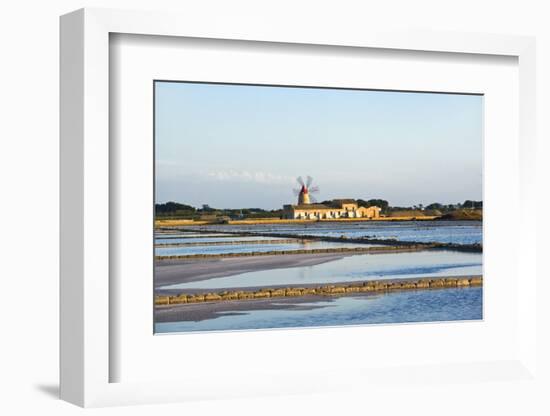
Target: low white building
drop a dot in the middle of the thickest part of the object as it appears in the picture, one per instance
(337, 208)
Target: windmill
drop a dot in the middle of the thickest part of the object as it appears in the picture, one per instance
(305, 191)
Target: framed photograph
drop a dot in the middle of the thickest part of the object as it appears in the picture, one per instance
(263, 201)
(243, 242)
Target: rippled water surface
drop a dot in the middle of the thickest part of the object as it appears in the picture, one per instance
(458, 232)
(398, 307)
(251, 248)
(176, 234)
(395, 307)
(356, 267)
(184, 239)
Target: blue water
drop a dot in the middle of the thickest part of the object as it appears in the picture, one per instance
(354, 268)
(458, 232)
(399, 307)
(250, 248)
(185, 235)
(221, 237)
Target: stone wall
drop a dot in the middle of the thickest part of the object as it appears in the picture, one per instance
(343, 250)
(322, 290)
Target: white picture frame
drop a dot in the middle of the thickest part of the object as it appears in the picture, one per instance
(86, 353)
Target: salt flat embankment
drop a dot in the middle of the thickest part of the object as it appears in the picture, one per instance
(230, 243)
(333, 250)
(369, 286)
(259, 221)
(414, 245)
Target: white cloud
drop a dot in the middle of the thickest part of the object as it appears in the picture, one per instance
(250, 177)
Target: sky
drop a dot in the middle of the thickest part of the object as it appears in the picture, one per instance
(241, 146)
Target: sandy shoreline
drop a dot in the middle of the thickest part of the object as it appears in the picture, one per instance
(203, 311)
(169, 272)
(175, 271)
(171, 223)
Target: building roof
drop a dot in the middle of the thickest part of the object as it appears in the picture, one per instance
(324, 206)
(310, 206)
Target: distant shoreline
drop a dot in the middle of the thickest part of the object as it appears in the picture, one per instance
(259, 221)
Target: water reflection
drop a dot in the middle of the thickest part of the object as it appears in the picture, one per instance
(352, 268)
(207, 239)
(251, 248)
(458, 232)
(399, 307)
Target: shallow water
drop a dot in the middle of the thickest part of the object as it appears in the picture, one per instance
(220, 237)
(458, 232)
(354, 268)
(399, 307)
(176, 235)
(251, 248)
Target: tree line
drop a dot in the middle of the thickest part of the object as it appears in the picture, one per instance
(183, 211)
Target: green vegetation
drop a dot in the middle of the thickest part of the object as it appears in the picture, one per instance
(464, 214)
(175, 211)
(381, 203)
(437, 209)
(468, 210)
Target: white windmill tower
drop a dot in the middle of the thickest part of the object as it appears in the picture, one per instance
(305, 191)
